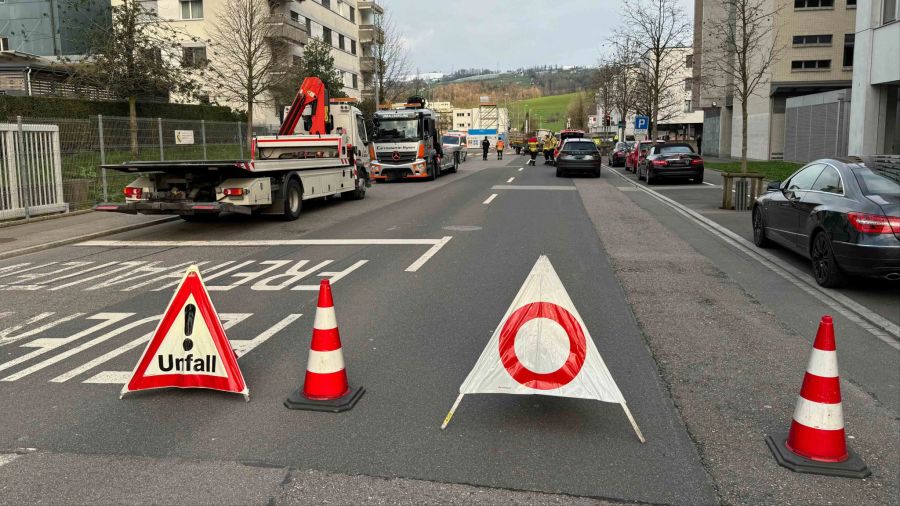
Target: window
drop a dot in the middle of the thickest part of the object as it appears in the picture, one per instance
(326, 4)
(829, 181)
(813, 4)
(689, 61)
(810, 64)
(688, 106)
(352, 15)
(191, 9)
(851, 3)
(355, 81)
(352, 46)
(193, 57)
(295, 17)
(361, 128)
(688, 83)
(888, 11)
(808, 40)
(804, 179)
(326, 34)
(4, 43)
(308, 26)
(849, 40)
(341, 43)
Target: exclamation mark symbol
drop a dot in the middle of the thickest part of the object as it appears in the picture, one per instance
(189, 311)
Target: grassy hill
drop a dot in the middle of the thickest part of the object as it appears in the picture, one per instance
(545, 112)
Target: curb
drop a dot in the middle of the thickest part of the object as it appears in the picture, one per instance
(26, 221)
(84, 237)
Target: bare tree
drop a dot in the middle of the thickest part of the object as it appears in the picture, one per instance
(135, 57)
(659, 28)
(741, 53)
(391, 60)
(623, 64)
(245, 63)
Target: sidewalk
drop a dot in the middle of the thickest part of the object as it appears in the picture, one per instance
(28, 237)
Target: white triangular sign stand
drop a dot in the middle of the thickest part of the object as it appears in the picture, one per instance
(541, 330)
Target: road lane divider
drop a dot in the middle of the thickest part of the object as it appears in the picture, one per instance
(533, 187)
(510, 180)
(521, 169)
(490, 199)
(878, 326)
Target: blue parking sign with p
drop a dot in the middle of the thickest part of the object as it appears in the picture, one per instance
(641, 122)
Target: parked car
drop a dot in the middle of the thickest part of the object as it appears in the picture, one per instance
(578, 155)
(843, 215)
(671, 161)
(637, 153)
(619, 153)
(455, 142)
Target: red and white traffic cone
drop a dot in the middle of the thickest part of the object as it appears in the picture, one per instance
(816, 442)
(326, 387)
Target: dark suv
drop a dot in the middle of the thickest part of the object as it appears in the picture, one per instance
(578, 155)
(671, 161)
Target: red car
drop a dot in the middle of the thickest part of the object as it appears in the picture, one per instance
(637, 154)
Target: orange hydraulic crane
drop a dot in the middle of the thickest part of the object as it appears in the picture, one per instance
(312, 93)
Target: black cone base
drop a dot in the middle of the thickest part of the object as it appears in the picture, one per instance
(853, 467)
(299, 401)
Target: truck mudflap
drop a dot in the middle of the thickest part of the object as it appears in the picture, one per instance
(172, 208)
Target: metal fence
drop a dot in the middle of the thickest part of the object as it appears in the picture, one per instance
(30, 170)
(82, 145)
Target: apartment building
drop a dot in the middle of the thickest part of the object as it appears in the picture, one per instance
(333, 21)
(680, 120)
(371, 36)
(816, 40)
(49, 29)
(875, 98)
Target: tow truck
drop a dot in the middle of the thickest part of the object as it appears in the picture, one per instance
(407, 144)
(321, 150)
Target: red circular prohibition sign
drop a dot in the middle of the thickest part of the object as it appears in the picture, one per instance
(524, 375)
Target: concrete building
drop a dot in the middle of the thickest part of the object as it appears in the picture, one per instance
(816, 39)
(680, 120)
(875, 102)
(333, 21)
(52, 29)
(478, 118)
(370, 37)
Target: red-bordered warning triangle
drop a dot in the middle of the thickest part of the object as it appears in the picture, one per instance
(189, 348)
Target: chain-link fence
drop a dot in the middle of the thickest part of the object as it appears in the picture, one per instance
(82, 145)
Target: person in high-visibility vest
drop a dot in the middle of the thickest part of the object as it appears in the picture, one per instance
(532, 149)
(549, 147)
(500, 146)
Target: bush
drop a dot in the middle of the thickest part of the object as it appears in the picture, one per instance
(54, 107)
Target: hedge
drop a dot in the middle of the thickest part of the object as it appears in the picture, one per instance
(53, 107)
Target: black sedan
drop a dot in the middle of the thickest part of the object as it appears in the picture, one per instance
(671, 161)
(578, 155)
(618, 154)
(844, 215)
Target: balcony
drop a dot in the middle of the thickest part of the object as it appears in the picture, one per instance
(367, 64)
(370, 5)
(371, 33)
(288, 30)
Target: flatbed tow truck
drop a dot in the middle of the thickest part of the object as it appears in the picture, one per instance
(329, 155)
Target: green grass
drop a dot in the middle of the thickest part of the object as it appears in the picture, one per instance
(774, 170)
(545, 112)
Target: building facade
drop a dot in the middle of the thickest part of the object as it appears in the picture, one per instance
(680, 120)
(55, 28)
(815, 43)
(875, 99)
(371, 36)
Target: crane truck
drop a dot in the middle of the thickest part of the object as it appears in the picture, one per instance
(407, 144)
(321, 150)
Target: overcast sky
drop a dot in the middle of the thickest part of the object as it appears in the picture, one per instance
(444, 35)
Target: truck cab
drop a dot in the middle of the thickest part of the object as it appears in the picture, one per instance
(407, 144)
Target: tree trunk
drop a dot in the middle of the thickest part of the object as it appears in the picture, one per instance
(249, 124)
(744, 136)
(133, 127)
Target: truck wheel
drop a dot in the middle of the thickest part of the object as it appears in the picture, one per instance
(293, 200)
(455, 164)
(435, 170)
(357, 194)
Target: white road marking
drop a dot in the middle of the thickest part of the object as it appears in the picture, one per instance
(291, 276)
(428, 254)
(490, 199)
(228, 320)
(6, 338)
(880, 327)
(242, 348)
(710, 184)
(253, 244)
(124, 266)
(334, 277)
(6, 458)
(521, 169)
(83, 346)
(510, 180)
(532, 187)
(47, 344)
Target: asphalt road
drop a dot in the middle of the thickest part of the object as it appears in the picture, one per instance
(422, 274)
(409, 337)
